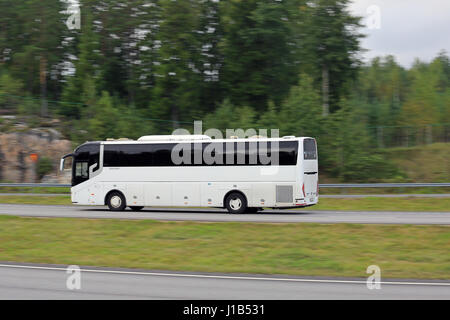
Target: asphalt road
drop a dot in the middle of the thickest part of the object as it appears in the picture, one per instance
(276, 216)
(49, 282)
(213, 215)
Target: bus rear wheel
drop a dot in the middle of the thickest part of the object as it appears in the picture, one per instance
(135, 208)
(116, 201)
(236, 203)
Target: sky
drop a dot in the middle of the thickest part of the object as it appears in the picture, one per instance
(407, 29)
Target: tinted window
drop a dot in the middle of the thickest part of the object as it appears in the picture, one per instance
(89, 153)
(288, 153)
(81, 170)
(309, 149)
(259, 153)
(162, 154)
(127, 155)
(213, 154)
(200, 154)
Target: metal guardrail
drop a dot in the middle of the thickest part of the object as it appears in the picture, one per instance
(338, 185)
(34, 185)
(384, 185)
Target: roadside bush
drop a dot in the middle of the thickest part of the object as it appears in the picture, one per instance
(44, 166)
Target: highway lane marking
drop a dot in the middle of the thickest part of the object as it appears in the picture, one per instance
(226, 277)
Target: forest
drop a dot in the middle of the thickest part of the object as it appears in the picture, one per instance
(143, 67)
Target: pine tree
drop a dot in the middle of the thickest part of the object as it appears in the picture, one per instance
(329, 44)
(258, 60)
(10, 91)
(229, 116)
(209, 59)
(40, 52)
(87, 70)
(300, 114)
(176, 91)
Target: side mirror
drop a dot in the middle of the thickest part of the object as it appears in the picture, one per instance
(61, 163)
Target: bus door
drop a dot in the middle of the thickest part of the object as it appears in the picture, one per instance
(310, 170)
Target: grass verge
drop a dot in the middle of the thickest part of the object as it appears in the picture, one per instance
(401, 251)
(53, 200)
(32, 190)
(424, 163)
(349, 204)
(383, 204)
(375, 191)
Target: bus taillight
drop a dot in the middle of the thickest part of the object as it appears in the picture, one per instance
(303, 189)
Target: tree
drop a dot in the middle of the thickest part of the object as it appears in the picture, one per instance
(10, 91)
(141, 51)
(39, 52)
(209, 61)
(11, 30)
(300, 114)
(228, 116)
(176, 91)
(422, 105)
(426, 99)
(103, 118)
(381, 90)
(345, 150)
(329, 44)
(258, 59)
(87, 71)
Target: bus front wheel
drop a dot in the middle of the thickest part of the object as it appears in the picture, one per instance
(116, 201)
(236, 203)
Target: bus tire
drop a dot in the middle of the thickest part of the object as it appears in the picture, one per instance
(136, 208)
(236, 203)
(116, 201)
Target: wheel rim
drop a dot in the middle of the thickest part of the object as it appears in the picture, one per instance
(116, 201)
(235, 204)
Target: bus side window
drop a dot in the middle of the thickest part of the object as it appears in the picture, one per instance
(81, 169)
(288, 151)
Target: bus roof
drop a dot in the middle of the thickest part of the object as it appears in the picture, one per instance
(195, 138)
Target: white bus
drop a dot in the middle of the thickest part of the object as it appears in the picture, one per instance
(236, 175)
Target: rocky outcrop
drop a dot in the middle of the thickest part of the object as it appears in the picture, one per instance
(16, 148)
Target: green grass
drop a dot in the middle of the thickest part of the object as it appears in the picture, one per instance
(383, 204)
(34, 190)
(427, 163)
(401, 251)
(52, 200)
(375, 191)
(349, 204)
